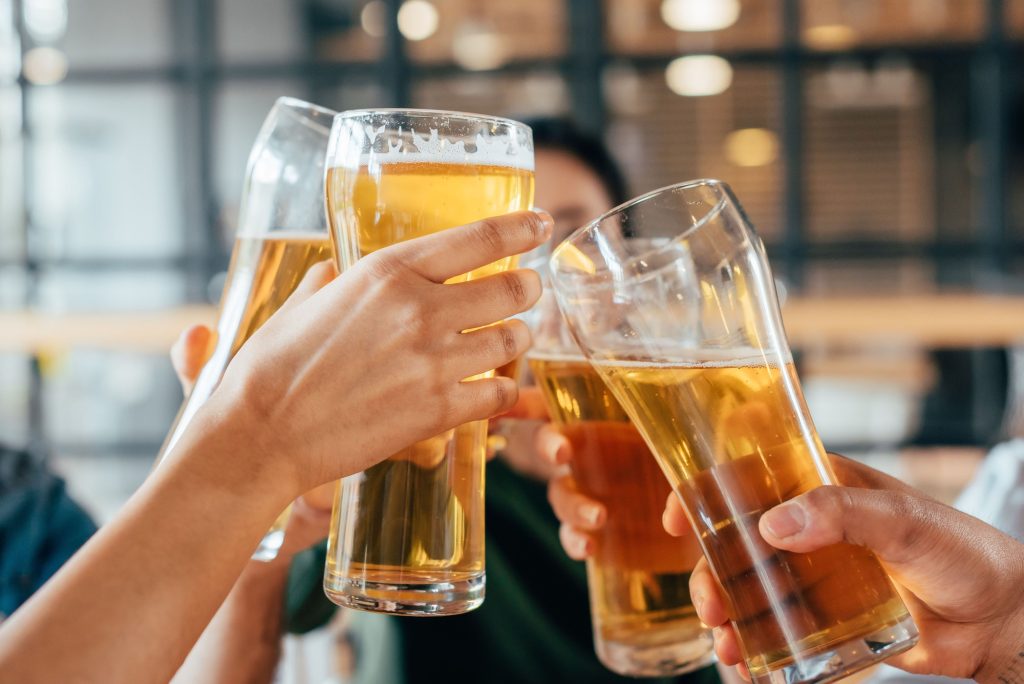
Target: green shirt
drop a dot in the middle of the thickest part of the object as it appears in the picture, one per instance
(534, 625)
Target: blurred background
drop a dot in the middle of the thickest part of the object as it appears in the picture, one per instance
(874, 143)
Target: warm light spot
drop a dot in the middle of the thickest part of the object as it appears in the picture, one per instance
(478, 50)
(698, 75)
(751, 147)
(44, 66)
(830, 37)
(373, 19)
(417, 19)
(700, 15)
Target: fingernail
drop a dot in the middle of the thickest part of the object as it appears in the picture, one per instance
(698, 603)
(549, 221)
(562, 454)
(590, 513)
(785, 520)
(582, 546)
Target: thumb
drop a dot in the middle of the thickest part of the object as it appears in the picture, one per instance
(928, 547)
(897, 526)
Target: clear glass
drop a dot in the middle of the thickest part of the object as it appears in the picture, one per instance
(672, 300)
(408, 534)
(639, 577)
(282, 231)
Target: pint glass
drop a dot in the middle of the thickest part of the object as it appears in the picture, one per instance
(407, 535)
(672, 300)
(282, 231)
(644, 622)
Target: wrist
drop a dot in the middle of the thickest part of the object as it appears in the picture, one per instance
(225, 449)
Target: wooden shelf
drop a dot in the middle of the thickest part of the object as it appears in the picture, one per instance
(919, 321)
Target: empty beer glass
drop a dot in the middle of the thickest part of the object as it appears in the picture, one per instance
(672, 300)
(644, 622)
(407, 535)
(282, 231)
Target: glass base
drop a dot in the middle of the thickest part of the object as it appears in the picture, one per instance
(269, 546)
(840, 660)
(426, 599)
(660, 658)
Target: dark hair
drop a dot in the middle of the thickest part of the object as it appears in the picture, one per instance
(565, 136)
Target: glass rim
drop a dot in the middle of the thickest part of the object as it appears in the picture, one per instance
(434, 113)
(304, 104)
(575, 236)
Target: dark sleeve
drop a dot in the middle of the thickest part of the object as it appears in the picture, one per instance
(41, 527)
(306, 606)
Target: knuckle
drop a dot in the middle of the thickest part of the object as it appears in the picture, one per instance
(503, 394)
(909, 511)
(491, 234)
(382, 265)
(515, 289)
(535, 225)
(509, 341)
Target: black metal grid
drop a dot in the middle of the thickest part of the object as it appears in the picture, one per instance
(198, 73)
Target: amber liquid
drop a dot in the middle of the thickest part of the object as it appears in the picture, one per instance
(733, 446)
(638, 575)
(263, 273)
(416, 518)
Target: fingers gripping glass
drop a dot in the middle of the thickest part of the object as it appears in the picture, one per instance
(671, 298)
(407, 535)
(282, 232)
(639, 577)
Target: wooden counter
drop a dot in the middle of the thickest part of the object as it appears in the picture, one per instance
(921, 321)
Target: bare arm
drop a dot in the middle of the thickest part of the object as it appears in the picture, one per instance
(129, 605)
(293, 411)
(242, 644)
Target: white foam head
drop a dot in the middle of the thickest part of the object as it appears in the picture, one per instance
(490, 151)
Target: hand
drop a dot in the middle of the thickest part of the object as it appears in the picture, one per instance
(580, 516)
(344, 375)
(310, 517)
(528, 437)
(960, 578)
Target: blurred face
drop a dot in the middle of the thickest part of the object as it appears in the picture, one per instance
(568, 190)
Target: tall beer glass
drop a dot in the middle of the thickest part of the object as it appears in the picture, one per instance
(408, 534)
(644, 622)
(672, 300)
(282, 231)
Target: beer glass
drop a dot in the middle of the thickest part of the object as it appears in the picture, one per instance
(671, 298)
(282, 231)
(644, 622)
(407, 535)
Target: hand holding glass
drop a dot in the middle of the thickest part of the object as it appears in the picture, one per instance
(671, 298)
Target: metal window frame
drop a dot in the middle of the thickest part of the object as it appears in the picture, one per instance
(198, 74)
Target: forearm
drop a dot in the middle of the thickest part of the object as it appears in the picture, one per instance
(130, 604)
(242, 644)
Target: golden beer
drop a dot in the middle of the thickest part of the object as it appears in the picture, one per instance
(263, 273)
(644, 623)
(729, 440)
(416, 519)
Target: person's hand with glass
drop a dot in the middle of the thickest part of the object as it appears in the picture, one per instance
(281, 233)
(671, 300)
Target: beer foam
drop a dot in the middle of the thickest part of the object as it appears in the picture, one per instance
(280, 234)
(741, 357)
(499, 151)
(556, 356)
